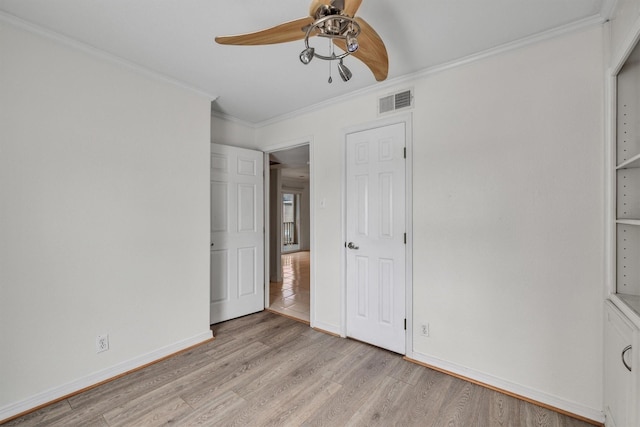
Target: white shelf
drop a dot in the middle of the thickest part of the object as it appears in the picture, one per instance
(633, 162)
(629, 305)
(632, 301)
(628, 221)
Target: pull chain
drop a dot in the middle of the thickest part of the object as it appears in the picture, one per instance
(332, 55)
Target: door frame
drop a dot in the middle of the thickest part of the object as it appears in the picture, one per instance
(407, 120)
(307, 140)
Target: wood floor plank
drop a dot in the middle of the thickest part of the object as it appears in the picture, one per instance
(212, 411)
(409, 373)
(42, 416)
(289, 372)
(95, 422)
(74, 418)
(358, 379)
(382, 405)
(226, 375)
(268, 401)
(148, 412)
(536, 416)
(456, 398)
(476, 409)
(503, 412)
(423, 402)
(301, 406)
(267, 370)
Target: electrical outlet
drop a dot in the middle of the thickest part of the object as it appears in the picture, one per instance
(424, 329)
(102, 343)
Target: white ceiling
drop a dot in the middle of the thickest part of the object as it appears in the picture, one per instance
(256, 83)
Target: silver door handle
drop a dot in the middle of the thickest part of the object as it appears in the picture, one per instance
(350, 245)
(624, 362)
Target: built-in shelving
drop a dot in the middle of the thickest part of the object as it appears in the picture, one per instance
(622, 308)
(627, 176)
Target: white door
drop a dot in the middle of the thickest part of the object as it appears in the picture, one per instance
(237, 232)
(375, 233)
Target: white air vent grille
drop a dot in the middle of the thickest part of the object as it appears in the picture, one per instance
(395, 102)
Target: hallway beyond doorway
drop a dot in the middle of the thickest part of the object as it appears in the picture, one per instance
(291, 297)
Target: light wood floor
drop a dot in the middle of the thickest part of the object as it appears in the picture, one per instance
(291, 297)
(268, 370)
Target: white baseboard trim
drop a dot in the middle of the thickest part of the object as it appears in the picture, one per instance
(326, 327)
(90, 380)
(529, 394)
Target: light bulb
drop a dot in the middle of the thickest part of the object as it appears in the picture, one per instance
(352, 44)
(307, 55)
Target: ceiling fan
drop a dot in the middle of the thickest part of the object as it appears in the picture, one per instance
(332, 19)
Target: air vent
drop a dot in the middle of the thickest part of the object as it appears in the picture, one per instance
(395, 102)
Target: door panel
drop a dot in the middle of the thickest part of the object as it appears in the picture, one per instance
(219, 281)
(246, 271)
(237, 239)
(385, 278)
(375, 206)
(219, 209)
(246, 208)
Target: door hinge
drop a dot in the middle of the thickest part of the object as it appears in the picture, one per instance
(405, 324)
(405, 152)
(405, 238)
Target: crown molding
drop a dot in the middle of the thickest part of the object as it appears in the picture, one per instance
(99, 53)
(409, 78)
(233, 119)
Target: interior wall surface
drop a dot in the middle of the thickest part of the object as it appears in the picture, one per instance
(104, 182)
(508, 206)
(230, 132)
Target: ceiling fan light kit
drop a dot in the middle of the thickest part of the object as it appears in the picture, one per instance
(336, 21)
(333, 27)
(344, 72)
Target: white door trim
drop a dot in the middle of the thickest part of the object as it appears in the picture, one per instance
(308, 140)
(407, 119)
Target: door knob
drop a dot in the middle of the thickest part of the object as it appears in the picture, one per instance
(350, 245)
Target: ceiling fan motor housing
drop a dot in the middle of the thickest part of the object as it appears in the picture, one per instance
(326, 10)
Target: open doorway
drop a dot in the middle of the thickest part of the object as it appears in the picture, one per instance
(289, 231)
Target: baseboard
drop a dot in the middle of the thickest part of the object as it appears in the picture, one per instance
(69, 389)
(327, 328)
(572, 409)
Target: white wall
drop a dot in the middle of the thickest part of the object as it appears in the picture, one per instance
(510, 236)
(236, 133)
(104, 229)
(508, 216)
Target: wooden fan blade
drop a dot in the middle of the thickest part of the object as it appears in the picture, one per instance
(351, 7)
(287, 32)
(371, 51)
